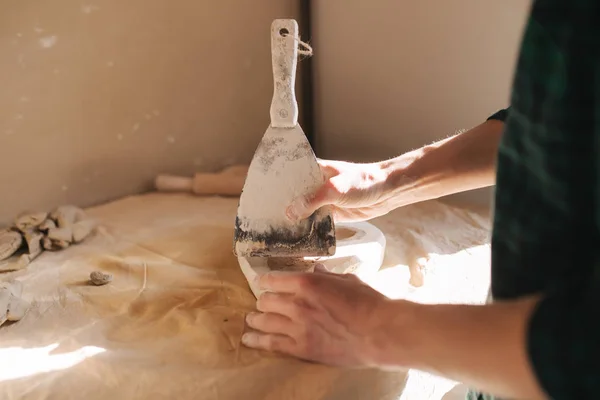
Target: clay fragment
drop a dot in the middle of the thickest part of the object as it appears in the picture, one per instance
(14, 263)
(64, 234)
(47, 225)
(54, 245)
(67, 215)
(99, 278)
(10, 242)
(5, 296)
(12, 306)
(47, 243)
(34, 243)
(82, 230)
(17, 308)
(60, 244)
(28, 221)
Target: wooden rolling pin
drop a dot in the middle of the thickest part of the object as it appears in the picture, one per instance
(228, 182)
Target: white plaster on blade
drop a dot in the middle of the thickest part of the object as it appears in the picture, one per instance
(269, 190)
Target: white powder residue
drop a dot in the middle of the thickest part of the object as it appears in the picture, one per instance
(270, 189)
(48, 41)
(88, 8)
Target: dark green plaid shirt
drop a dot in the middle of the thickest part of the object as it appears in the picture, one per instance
(547, 205)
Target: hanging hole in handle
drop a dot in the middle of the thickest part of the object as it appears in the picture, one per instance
(284, 32)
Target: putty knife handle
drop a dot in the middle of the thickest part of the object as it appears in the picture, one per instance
(284, 53)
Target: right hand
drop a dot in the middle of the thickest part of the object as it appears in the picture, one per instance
(355, 192)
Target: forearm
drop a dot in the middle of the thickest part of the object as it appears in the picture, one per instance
(463, 162)
(481, 346)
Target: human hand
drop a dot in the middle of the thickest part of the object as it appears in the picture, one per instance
(324, 317)
(355, 192)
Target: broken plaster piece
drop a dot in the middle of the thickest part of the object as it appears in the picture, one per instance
(74, 233)
(60, 244)
(10, 242)
(100, 278)
(34, 243)
(12, 306)
(28, 221)
(64, 234)
(82, 230)
(47, 225)
(5, 296)
(17, 308)
(54, 245)
(67, 215)
(15, 263)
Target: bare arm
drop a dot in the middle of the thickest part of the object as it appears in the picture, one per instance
(481, 346)
(463, 162)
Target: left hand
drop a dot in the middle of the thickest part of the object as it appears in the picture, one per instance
(323, 317)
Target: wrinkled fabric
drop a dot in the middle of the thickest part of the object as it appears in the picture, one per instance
(169, 324)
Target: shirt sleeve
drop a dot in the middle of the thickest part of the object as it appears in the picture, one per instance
(500, 115)
(564, 342)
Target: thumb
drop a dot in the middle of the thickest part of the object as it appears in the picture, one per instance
(303, 206)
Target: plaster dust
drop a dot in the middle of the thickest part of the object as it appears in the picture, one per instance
(169, 324)
(283, 168)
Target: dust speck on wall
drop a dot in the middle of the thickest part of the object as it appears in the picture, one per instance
(48, 41)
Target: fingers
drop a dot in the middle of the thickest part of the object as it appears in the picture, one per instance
(270, 323)
(279, 303)
(269, 342)
(304, 206)
(285, 282)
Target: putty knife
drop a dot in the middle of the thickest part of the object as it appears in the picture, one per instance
(284, 167)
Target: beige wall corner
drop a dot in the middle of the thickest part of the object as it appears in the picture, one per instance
(98, 97)
(393, 75)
